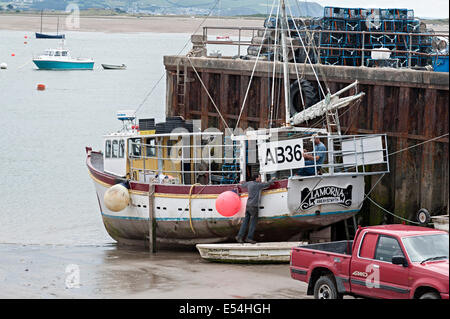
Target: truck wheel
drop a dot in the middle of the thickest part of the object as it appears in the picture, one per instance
(325, 288)
(423, 216)
(430, 295)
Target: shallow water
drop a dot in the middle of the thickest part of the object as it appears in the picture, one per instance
(46, 194)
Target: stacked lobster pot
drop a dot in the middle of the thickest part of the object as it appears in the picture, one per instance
(391, 31)
(267, 38)
(386, 36)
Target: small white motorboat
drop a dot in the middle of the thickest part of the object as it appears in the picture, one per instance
(60, 59)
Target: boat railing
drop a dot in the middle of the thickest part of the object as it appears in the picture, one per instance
(411, 40)
(343, 155)
(348, 155)
(174, 165)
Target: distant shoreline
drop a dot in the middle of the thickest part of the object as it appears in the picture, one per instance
(123, 23)
(126, 23)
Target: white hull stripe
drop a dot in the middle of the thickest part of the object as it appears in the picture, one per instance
(225, 218)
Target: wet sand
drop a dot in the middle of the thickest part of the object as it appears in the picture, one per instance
(35, 271)
(125, 24)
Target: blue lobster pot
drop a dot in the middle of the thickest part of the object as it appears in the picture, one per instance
(440, 64)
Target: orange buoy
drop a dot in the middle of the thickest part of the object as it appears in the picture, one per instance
(41, 87)
(13, 54)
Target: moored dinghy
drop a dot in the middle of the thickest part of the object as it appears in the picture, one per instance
(114, 67)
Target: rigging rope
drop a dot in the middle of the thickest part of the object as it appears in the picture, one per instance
(407, 148)
(190, 211)
(390, 213)
(295, 64)
(178, 54)
(204, 87)
(275, 59)
(253, 72)
(303, 45)
(393, 153)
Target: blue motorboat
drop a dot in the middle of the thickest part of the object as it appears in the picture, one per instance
(60, 59)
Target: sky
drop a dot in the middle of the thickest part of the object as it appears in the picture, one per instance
(422, 8)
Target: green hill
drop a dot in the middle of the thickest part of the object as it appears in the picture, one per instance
(223, 7)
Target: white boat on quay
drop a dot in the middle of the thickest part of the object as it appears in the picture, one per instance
(440, 222)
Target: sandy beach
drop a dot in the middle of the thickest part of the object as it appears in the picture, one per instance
(125, 24)
(128, 24)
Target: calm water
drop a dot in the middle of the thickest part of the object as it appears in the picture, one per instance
(46, 195)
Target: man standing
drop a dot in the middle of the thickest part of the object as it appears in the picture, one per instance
(251, 210)
(312, 160)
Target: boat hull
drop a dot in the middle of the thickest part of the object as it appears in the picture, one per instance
(202, 224)
(63, 65)
(50, 36)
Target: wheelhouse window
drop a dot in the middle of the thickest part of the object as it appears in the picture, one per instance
(134, 147)
(107, 148)
(121, 148)
(115, 149)
(151, 149)
(64, 53)
(387, 248)
(57, 53)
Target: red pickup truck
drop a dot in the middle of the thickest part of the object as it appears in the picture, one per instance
(389, 261)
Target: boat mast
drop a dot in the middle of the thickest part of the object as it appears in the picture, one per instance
(42, 11)
(57, 26)
(287, 93)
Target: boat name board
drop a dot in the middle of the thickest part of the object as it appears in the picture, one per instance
(326, 195)
(281, 155)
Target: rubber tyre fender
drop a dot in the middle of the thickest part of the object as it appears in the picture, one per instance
(423, 216)
(309, 96)
(325, 288)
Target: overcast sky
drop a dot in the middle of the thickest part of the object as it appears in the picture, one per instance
(422, 8)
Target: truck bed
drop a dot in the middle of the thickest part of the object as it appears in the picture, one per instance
(334, 256)
(338, 247)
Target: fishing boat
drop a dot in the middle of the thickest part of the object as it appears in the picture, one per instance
(40, 35)
(171, 173)
(60, 59)
(114, 67)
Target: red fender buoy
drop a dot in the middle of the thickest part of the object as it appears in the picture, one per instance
(41, 87)
(228, 203)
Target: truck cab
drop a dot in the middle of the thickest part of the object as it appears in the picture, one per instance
(389, 261)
